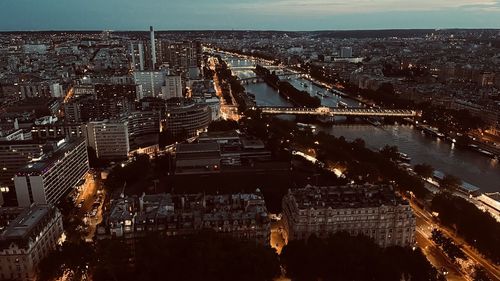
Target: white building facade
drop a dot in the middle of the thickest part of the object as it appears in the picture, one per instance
(109, 139)
(47, 180)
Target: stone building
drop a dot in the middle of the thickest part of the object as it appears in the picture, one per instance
(371, 210)
(241, 216)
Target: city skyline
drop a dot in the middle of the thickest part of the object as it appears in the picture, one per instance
(250, 140)
(248, 15)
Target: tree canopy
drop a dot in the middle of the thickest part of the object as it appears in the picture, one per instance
(205, 256)
(478, 228)
(344, 257)
(424, 170)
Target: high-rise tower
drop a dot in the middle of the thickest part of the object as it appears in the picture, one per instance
(153, 48)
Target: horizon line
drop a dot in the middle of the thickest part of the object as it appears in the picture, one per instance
(245, 30)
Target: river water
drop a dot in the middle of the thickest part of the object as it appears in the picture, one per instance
(470, 166)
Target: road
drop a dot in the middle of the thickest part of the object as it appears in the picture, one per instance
(277, 241)
(433, 253)
(89, 194)
(423, 230)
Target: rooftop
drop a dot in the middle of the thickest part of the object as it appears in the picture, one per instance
(350, 196)
(210, 136)
(26, 222)
(51, 157)
(197, 147)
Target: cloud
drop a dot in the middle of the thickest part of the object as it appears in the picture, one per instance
(335, 7)
(492, 6)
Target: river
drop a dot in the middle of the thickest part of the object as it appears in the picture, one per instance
(470, 166)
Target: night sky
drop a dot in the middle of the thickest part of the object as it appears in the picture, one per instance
(246, 14)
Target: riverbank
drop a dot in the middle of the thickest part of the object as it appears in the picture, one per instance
(443, 155)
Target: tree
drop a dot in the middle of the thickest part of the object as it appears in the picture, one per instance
(345, 257)
(391, 152)
(71, 256)
(478, 228)
(223, 125)
(424, 170)
(205, 256)
(450, 182)
(480, 274)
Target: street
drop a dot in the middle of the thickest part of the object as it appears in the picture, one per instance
(88, 197)
(425, 224)
(277, 241)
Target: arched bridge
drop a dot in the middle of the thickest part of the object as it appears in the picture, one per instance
(337, 111)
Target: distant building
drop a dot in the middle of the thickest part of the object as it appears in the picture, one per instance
(153, 47)
(28, 239)
(151, 82)
(109, 139)
(13, 135)
(143, 128)
(34, 90)
(242, 216)
(346, 52)
(46, 180)
(187, 119)
(197, 158)
(172, 88)
(106, 101)
(57, 131)
(181, 57)
(237, 150)
(373, 211)
(15, 155)
(56, 90)
(137, 56)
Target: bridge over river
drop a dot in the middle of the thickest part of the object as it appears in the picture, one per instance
(337, 111)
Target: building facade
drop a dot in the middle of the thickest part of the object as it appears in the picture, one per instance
(47, 180)
(143, 128)
(242, 216)
(14, 155)
(27, 240)
(373, 211)
(109, 139)
(172, 88)
(187, 119)
(150, 83)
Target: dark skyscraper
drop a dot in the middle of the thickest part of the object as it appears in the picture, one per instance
(153, 48)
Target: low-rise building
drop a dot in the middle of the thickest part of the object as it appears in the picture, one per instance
(197, 158)
(371, 210)
(242, 216)
(27, 239)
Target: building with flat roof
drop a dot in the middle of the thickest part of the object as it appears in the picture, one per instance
(371, 210)
(187, 119)
(197, 158)
(109, 139)
(16, 154)
(242, 216)
(172, 88)
(28, 239)
(151, 83)
(143, 128)
(48, 179)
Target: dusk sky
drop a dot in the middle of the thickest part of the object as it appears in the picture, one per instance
(246, 14)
